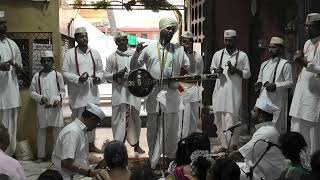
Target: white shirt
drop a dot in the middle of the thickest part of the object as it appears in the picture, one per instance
(227, 94)
(120, 94)
(193, 92)
(82, 93)
(306, 98)
(283, 80)
(272, 163)
(72, 143)
(11, 167)
(49, 89)
(176, 58)
(9, 94)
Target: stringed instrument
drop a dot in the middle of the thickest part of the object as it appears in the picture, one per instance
(140, 82)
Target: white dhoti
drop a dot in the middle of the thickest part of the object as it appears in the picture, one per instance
(126, 123)
(155, 133)
(188, 119)
(77, 113)
(42, 137)
(223, 121)
(8, 117)
(309, 130)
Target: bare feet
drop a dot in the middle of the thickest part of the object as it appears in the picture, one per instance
(139, 150)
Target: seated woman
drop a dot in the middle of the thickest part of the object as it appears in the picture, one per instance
(116, 158)
(224, 169)
(198, 150)
(293, 146)
(182, 156)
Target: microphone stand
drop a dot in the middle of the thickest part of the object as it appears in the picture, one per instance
(250, 173)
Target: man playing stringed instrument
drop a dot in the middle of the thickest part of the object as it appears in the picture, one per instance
(233, 66)
(82, 68)
(163, 60)
(125, 121)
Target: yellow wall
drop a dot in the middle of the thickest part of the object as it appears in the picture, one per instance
(28, 16)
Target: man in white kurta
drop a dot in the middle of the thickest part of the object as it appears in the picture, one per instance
(192, 95)
(125, 120)
(233, 66)
(305, 107)
(272, 163)
(10, 60)
(274, 81)
(47, 90)
(173, 58)
(83, 70)
(71, 151)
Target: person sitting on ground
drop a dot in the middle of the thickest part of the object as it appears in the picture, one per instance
(116, 158)
(50, 174)
(224, 169)
(8, 165)
(200, 159)
(182, 156)
(144, 173)
(293, 145)
(315, 166)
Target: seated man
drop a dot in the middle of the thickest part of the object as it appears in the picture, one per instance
(71, 152)
(9, 167)
(266, 136)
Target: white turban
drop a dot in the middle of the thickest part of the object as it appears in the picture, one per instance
(230, 33)
(119, 34)
(313, 17)
(277, 40)
(266, 106)
(2, 15)
(187, 34)
(47, 53)
(80, 30)
(167, 22)
(96, 110)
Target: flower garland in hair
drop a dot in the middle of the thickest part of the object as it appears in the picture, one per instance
(305, 158)
(194, 157)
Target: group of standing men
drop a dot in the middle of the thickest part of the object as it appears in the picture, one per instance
(83, 71)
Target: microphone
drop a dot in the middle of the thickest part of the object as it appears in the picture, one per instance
(233, 127)
(270, 143)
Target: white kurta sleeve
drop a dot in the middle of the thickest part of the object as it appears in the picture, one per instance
(33, 89)
(138, 61)
(99, 66)
(260, 72)
(214, 62)
(69, 144)
(247, 149)
(185, 60)
(17, 55)
(287, 74)
(62, 86)
(107, 75)
(66, 69)
(313, 68)
(246, 69)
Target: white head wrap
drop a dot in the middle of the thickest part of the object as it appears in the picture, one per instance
(95, 110)
(229, 33)
(167, 22)
(2, 15)
(313, 17)
(47, 53)
(187, 34)
(119, 34)
(277, 40)
(80, 30)
(266, 106)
